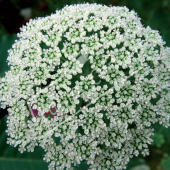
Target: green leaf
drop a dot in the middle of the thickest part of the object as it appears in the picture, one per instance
(6, 42)
(137, 164)
(158, 140)
(21, 164)
(86, 68)
(164, 164)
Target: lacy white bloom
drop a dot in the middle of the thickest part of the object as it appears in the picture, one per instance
(86, 84)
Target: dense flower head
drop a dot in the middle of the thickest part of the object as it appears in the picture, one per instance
(86, 84)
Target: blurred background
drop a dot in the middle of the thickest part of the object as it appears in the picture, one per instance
(15, 13)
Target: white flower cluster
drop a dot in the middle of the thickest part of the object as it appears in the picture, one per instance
(86, 84)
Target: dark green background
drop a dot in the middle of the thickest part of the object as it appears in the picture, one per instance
(153, 13)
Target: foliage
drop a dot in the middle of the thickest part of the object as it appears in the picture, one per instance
(165, 163)
(6, 42)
